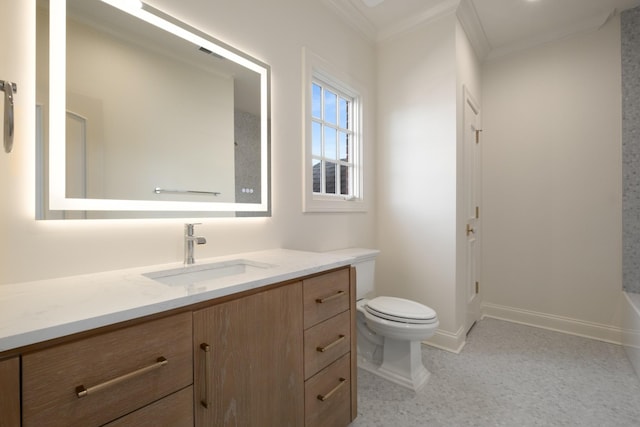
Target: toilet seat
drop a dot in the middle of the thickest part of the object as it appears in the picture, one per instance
(401, 310)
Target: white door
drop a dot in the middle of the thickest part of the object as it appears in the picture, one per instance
(473, 187)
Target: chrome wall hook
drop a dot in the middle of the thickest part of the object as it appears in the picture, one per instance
(9, 89)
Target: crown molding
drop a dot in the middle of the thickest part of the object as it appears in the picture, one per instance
(442, 9)
(349, 13)
(468, 17)
(352, 16)
(592, 24)
(469, 20)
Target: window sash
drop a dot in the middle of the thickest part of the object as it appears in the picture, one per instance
(320, 158)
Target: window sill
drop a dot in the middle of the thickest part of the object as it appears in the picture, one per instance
(318, 204)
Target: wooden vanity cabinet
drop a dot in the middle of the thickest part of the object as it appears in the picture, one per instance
(279, 356)
(10, 392)
(96, 380)
(248, 360)
(330, 355)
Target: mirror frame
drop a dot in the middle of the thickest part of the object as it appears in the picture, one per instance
(57, 127)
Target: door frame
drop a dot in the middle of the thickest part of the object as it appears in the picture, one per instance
(472, 152)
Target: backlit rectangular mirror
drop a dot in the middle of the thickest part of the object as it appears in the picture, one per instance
(140, 115)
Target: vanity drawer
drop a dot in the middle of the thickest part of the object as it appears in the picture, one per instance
(325, 342)
(325, 296)
(175, 410)
(327, 397)
(120, 371)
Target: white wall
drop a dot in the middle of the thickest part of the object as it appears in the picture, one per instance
(275, 33)
(421, 76)
(552, 184)
(417, 161)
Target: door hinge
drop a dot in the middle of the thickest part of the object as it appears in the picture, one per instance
(477, 212)
(478, 135)
(477, 287)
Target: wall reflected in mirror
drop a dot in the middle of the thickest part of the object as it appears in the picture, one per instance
(149, 118)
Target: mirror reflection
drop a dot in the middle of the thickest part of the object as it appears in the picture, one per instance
(152, 121)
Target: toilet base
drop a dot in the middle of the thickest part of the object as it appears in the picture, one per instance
(401, 364)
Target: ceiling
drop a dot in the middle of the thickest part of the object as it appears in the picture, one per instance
(495, 27)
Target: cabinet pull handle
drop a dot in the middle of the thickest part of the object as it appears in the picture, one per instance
(333, 344)
(82, 391)
(329, 298)
(206, 402)
(324, 397)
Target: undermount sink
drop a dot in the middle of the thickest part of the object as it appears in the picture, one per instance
(195, 274)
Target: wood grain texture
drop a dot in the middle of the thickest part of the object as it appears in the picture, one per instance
(321, 287)
(335, 411)
(257, 373)
(10, 392)
(50, 376)
(175, 410)
(323, 334)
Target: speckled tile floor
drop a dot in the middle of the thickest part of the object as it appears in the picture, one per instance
(510, 375)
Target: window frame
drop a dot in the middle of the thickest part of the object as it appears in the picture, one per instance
(319, 71)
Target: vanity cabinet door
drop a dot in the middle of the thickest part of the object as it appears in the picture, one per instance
(248, 360)
(10, 392)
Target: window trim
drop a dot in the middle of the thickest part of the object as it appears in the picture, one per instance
(316, 68)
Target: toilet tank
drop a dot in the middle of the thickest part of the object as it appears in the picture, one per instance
(365, 264)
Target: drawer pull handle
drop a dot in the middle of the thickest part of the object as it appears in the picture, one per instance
(333, 344)
(81, 391)
(324, 397)
(206, 402)
(329, 298)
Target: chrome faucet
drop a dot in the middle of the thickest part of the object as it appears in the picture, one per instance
(189, 240)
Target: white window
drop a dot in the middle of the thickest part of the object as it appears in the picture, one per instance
(333, 142)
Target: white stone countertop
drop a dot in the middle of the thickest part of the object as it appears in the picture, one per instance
(32, 312)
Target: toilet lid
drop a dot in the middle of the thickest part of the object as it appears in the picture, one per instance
(400, 310)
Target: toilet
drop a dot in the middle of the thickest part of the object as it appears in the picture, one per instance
(389, 330)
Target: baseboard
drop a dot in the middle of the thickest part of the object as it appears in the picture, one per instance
(552, 322)
(452, 342)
